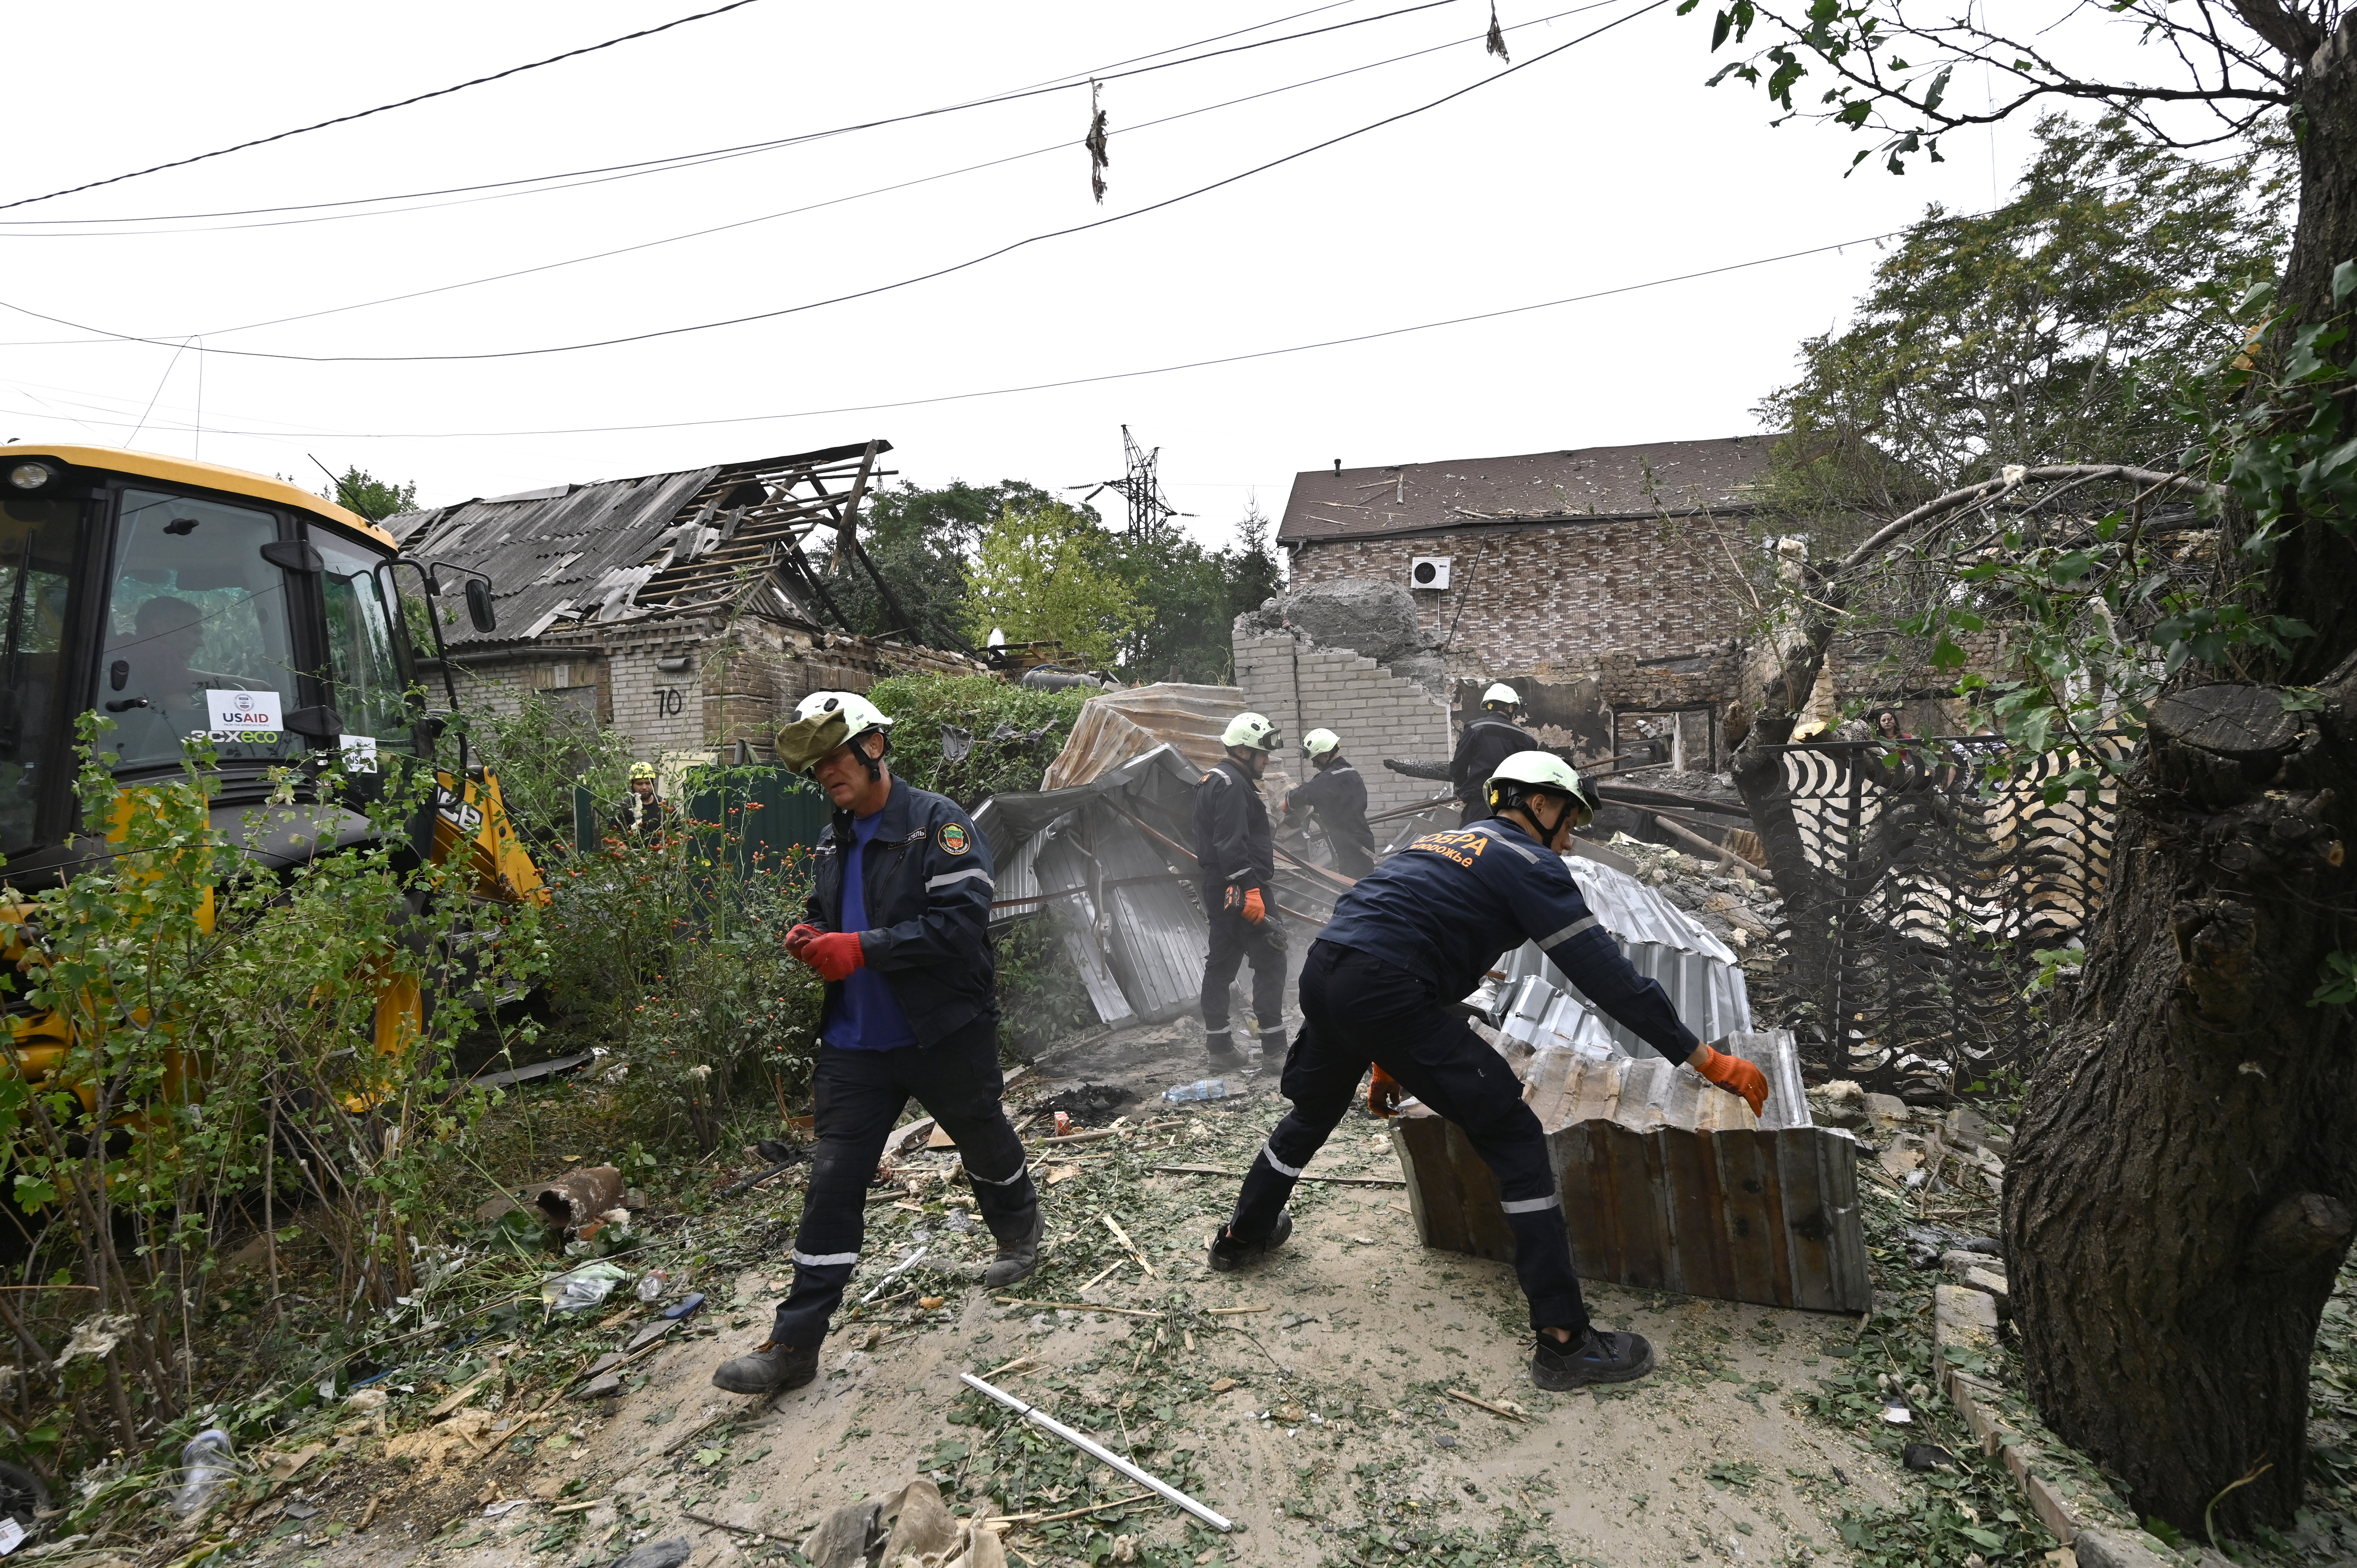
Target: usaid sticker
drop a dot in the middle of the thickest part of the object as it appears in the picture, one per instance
(244, 716)
(955, 839)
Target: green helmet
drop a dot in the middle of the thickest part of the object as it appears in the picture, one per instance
(1527, 771)
(1251, 730)
(1321, 743)
(1501, 693)
(823, 721)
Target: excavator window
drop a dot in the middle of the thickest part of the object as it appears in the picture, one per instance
(197, 634)
(365, 683)
(38, 539)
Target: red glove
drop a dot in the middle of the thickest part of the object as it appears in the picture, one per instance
(835, 954)
(1383, 1094)
(1254, 909)
(1736, 1076)
(798, 936)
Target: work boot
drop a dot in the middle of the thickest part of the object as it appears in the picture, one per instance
(1221, 1044)
(1272, 1048)
(772, 1368)
(1601, 1356)
(1019, 1257)
(1229, 1254)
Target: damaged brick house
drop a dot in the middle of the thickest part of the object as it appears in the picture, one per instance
(680, 608)
(1604, 583)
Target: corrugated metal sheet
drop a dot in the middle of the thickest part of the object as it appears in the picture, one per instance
(1119, 725)
(1664, 1188)
(1700, 972)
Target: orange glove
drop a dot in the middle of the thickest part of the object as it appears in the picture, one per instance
(1254, 909)
(835, 954)
(1383, 1094)
(1736, 1076)
(796, 938)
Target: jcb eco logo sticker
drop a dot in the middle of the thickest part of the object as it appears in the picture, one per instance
(955, 840)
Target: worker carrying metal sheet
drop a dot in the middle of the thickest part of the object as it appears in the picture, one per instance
(900, 899)
(1238, 856)
(1410, 938)
(1336, 796)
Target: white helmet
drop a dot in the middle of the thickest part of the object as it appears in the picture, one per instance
(860, 715)
(1251, 730)
(1501, 693)
(1528, 771)
(1321, 743)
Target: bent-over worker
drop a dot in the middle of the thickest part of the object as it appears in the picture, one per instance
(899, 898)
(1410, 938)
(1238, 856)
(1336, 796)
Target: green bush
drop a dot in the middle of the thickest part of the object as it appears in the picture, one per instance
(1040, 997)
(1016, 732)
(540, 753)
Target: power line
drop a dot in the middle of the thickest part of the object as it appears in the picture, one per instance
(879, 288)
(379, 109)
(1060, 145)
(1070, 382)
(657, 165)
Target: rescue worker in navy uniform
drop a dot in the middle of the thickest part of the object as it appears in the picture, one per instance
(1409, 939)
(1238, 856)
(894, 924)
(1336, 796)
(1490, 738)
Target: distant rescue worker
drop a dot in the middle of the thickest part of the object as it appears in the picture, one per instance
(900, 900)
(1336, 796)
(643, 813)
(1490, 738)
(1238, 857)
(1408, 941)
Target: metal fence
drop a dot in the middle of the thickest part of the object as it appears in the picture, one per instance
(1943, 869)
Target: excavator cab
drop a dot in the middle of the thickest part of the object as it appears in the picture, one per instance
(181, 599)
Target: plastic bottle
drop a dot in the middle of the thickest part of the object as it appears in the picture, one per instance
(206, 1462)
(1202, 1088)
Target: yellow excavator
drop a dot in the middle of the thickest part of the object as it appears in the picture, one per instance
(181, 599)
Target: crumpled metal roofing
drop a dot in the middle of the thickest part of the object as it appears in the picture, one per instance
(1120, 725)
(1701, 973)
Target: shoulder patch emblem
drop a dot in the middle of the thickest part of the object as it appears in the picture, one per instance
(955, 839)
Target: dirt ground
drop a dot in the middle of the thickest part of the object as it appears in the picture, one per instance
(1323, 1421)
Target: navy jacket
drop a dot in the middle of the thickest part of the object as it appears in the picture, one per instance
(1487, 741)
(1338, 797)
(1448, 905)
(1233, 841)
(927, 877)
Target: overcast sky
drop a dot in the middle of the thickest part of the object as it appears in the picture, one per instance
(1606, 165)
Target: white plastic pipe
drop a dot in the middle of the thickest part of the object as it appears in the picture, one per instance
(902, 1267)
(1097, 1451)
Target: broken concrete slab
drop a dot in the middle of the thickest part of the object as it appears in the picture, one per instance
(1887, 1112)
(2100, 1547)
(1964, 1128)
(649, 1333)
(1962, 1322)
(600, 1386)
(1991, 1283)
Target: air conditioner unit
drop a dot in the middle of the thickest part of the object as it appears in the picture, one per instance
(1430, 572)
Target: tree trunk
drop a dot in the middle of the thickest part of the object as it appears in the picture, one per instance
(2182, 1190)
(2179, 1197)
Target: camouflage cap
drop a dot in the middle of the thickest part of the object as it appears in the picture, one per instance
(804, 743)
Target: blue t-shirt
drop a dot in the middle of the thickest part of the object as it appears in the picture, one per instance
(865, 1016)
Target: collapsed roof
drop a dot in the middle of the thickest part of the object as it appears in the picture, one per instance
(725, 538)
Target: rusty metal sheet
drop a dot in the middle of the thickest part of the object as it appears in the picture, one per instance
(1119, 725)
(1663, 1190)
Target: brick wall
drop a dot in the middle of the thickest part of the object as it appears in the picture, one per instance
(1524, 599)
(1303, 688)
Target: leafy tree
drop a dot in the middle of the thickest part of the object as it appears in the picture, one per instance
(1192, 597)
(923, 543)
(1045, 571)
(375, 499)
(2054, 330)
(2177, 1206)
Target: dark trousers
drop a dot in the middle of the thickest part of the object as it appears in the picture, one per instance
(1233, 940)
(1352, 857)
(1358, 1009)
(860, 1097)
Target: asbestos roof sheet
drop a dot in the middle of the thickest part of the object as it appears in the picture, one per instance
(1592, 483)
(1120, 725)
(565, 557)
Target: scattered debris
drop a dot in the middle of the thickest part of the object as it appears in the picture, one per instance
(581, 1288)
(577, 1197)
(1927, 1456)
(1097, 1451)
(206, 1462)
(669, 1552)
